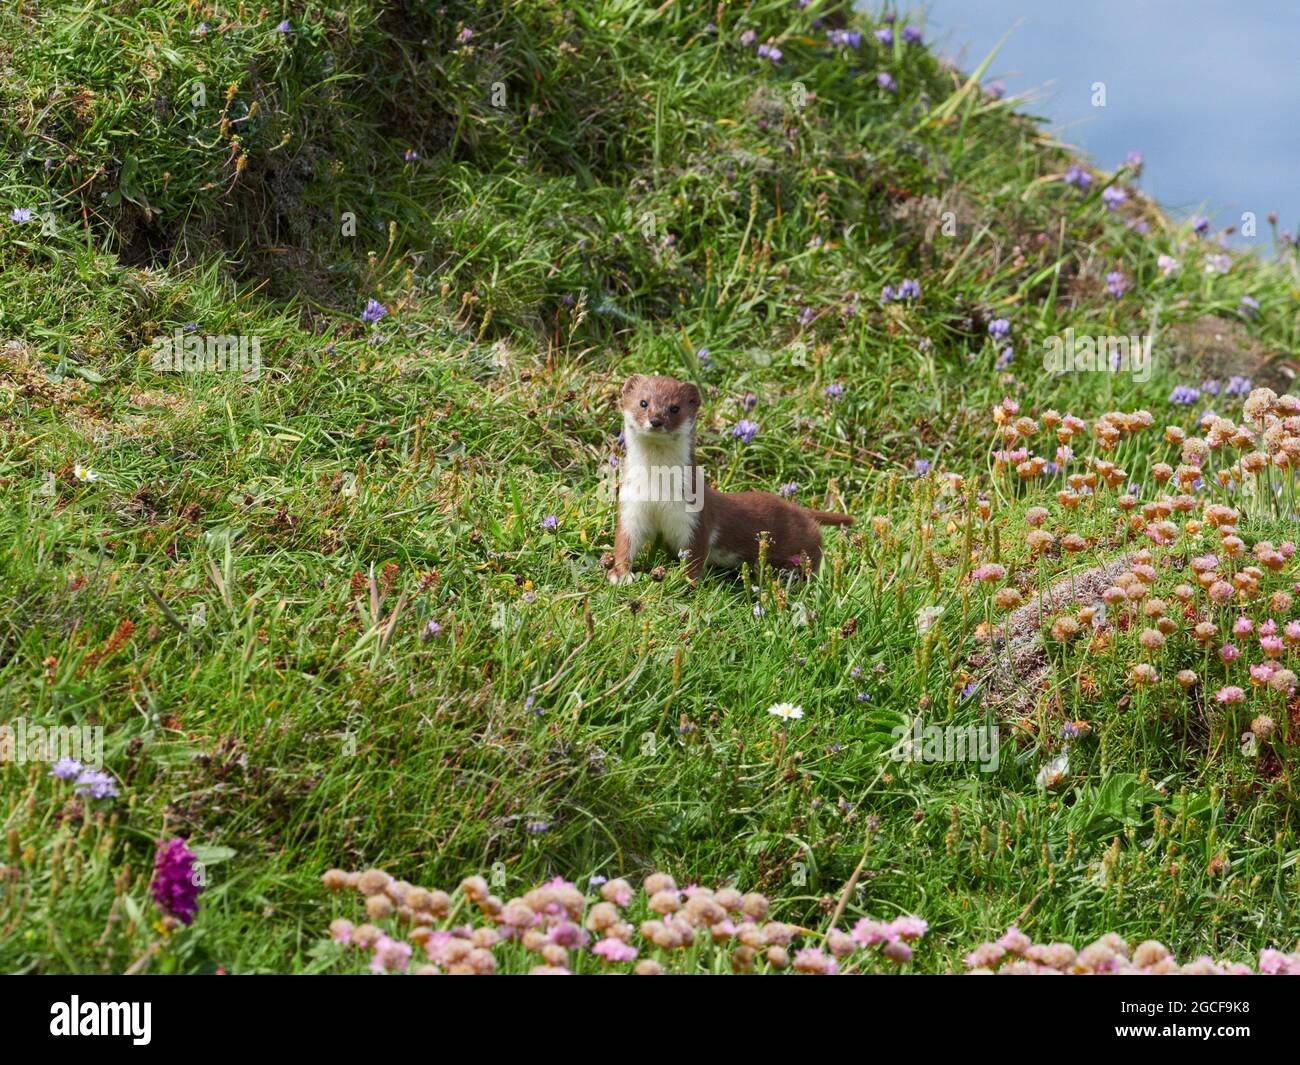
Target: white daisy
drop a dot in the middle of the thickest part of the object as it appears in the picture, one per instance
(786, 711)
(1054, 772)
(84, 473)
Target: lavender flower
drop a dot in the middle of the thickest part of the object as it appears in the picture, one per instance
(374, 311)
(20, 214)
(999, 327)
(1113, 196)
(66, 769)
(1078, 177)
(550, 523)
(884, 36)
(175, 886)
(283, 27)
(1184, 395)
(745, 430)
(96, 785)
(1238, 386)
(911, 35)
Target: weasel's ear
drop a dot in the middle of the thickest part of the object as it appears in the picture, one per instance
(632, 383)
(691, 395)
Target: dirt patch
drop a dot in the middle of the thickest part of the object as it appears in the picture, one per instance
(1221, 348)
(1012, 681)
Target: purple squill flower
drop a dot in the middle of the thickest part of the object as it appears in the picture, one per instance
(1078, 177)
(884, 36)
(886, 82)
(1112, 196)
(66, 769)
(999, 327)
(374, 311)
(175, 886)
(788, 489)
(745, 430)
(96, 785)
(1116, 283)
(911, 35)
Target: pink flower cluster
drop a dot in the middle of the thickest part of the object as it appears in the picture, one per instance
(1015, 954)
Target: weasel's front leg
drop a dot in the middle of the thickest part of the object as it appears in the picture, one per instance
(624, 552)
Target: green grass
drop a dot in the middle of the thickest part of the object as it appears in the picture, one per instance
(648, 190)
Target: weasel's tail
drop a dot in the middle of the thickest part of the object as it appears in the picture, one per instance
(826, 517)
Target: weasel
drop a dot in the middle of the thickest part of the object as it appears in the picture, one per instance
(662, 494)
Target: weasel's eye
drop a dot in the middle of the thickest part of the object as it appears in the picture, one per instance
(674, 408)
(645, 403)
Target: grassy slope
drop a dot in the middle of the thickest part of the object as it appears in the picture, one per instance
(647, 190)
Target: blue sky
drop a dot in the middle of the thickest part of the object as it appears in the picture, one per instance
(1208, 91)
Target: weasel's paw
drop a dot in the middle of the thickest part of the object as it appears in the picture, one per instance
(620, 576)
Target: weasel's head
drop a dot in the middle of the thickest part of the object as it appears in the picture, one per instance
(659, 406)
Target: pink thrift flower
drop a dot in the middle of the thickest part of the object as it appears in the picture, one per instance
(1271, 646)
(1259, 674)
(1274, 963)
(1014, 941)
(872, 933)
(909, 928)
(1231, 694)
(1229, 653)
(897, 951)
(1269, 628)
(612, 949)
(1242, 627)
(1292, 632)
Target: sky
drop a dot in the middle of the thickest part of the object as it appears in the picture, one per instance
(1207, 90)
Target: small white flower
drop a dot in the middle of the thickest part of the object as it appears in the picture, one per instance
(787, 711)
(1054, 772)
(84, 473)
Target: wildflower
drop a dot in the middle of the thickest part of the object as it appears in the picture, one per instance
(1217, 264)
(411, 155)
(1053, 772)
(1229, 653)
(84, 473)
(1230, 694)
(66, 769)
(1250, 306)
(1200, 225)
(1078, 177)
(786, 711)
(614, 950)
(1167, 264)
(815, 962)
(833, 391)
(1263, 726)
(96, 785)
(886, 82)
(788, 489)
(374, 311)
(431, 630)
(20, 214)
(1112, 196)
(176, 882)
(283, 27)
(744, 430)
(909, 928)
(920, 467)
(550, 523)
(999, 327)
(1117, 284)
(912, 35)
(1184, 395)
(885, 36)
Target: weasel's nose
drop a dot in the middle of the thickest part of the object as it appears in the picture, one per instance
(657, 423)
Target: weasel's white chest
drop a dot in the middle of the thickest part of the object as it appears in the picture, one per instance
(660, 495)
